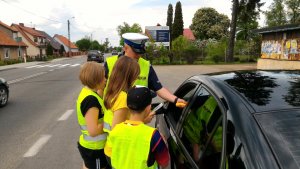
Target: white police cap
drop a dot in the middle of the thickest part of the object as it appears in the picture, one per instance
(136, 41)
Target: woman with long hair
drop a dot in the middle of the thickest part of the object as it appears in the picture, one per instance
(123, 76)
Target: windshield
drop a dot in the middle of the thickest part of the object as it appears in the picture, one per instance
(282, 131)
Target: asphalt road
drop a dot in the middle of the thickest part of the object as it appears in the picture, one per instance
(39, 125)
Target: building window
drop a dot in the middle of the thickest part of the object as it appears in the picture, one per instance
(6, 53)
(35, 39)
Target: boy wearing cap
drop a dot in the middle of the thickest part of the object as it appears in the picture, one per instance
(145, 147)
(134, 47)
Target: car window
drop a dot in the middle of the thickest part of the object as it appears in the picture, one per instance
(185, 92)
(202, 130)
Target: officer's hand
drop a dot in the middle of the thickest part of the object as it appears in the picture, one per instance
(181, 103)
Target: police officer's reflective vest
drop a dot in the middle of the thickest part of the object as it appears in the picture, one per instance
(144, 69)
(85, 140)
(133, 151)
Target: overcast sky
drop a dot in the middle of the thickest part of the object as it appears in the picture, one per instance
(100, 19)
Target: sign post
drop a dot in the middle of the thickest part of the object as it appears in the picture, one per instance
(159, 34)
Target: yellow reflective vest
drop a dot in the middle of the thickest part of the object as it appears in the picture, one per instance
(130, 146)
(144, 70)
(85, 140)
(197, 122)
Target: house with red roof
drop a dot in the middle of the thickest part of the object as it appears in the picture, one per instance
(35, 40)
(11, 46)
(52, 42)
(66, 43)
(188, 33)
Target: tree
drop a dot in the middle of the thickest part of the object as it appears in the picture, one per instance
(247, 20)
(170, 20)
(49, 49)
(276, 14)
(61, 49)
(177, 28)
(178, 46)
(127, 28)
(105, 45)
(83, 44)
(208, 23)
(95, 45)
(251, 5)
(293, 10)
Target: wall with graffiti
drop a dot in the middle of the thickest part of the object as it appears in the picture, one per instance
(288, 49)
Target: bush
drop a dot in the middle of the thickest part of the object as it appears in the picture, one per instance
(11, 61)
(216, 51)
(191, 54)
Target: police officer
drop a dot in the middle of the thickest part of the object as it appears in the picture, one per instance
(134, 47)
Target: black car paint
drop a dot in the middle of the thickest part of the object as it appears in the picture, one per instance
(248, 132)
(5, 86)
(94, 55)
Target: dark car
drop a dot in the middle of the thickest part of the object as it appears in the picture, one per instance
(114, 52)
(235, 120)
(95, 55)
(4, 92)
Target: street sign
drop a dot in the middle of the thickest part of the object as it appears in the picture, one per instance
(159, 34)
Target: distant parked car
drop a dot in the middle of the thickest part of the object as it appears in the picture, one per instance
(121, 53)
(95, 55)
(4, 92)
(114, 52)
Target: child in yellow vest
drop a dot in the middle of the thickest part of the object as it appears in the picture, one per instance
(132, 144)
(90, 116)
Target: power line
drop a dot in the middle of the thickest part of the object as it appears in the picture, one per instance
(32, 12)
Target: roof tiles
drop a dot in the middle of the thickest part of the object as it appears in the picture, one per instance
(65, 41)
(188, 34)
(5, 40)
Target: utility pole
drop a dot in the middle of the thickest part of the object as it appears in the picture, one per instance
(69, 43)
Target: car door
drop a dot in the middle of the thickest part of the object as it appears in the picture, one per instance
(198, 140)
(168, 123)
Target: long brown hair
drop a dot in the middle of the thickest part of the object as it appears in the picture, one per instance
(123, 75)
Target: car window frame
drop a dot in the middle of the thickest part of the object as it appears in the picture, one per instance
(171, 120)
(179, 129)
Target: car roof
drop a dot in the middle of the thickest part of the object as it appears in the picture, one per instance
(263, 90)
(94, 51)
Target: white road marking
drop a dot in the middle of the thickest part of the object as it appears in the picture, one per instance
(55, 65)
(64, 65)
(24, 78)
(35, 148)
(77, 64)
(66, 115)
(34, 66)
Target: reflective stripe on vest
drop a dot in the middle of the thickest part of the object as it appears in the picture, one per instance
(144, 70)
(137, 140)
(85, 140)
(97, 138)
(106, 126)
